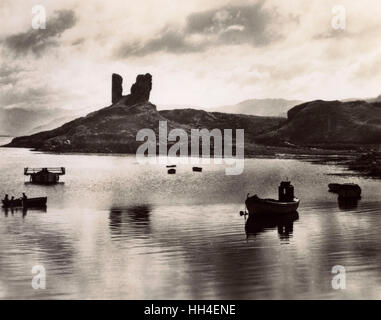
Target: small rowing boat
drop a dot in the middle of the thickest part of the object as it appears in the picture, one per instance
(286, 203)
(44, 175)
(257, 205)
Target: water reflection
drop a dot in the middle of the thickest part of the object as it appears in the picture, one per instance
(347, 204)
(24, 211)
(190, 245)
(133, 221)
(257, 224)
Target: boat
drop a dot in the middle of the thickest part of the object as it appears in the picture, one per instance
(44, 175)
(285, 204)
(171, 171)
(346, 190)
(39, 202)
(197, 169)
(171, 166)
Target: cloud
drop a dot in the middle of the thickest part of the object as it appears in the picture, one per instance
(10, 75)
(17, 96)
(229, 25)
(37, 41)
(333, 34)
(169, 41)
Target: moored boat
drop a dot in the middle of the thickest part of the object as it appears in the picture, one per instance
(346, 190)
(286, 203)
(39, 202)
(349, 191)
(44, 175)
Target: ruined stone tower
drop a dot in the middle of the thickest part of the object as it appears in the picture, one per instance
(117, 89)
(140, 90)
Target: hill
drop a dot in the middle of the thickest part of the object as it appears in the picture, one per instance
(114, 128)
(328, 123)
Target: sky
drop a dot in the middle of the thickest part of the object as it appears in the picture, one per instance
(201, 53)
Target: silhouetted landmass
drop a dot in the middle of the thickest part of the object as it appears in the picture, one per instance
(113, 129)
(331, 124)
(253, 125)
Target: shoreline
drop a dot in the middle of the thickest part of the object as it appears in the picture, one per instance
(364, 162)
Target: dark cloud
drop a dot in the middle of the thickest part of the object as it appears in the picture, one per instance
(37, 41)
(230, 25)
(169, 41)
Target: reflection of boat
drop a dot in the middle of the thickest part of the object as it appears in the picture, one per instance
(286, 203)
(23, 210)
(197, 169)
(348, 203)
(346, 190)
(44, 175)
(28, 203)
(130, 222)
(171, 171)
(256, 224)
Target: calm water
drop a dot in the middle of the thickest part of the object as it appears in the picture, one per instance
(118, 229)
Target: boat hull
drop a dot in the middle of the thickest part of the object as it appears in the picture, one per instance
(346, 190)
(44, 178)
(29, 203)
(271, 206)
